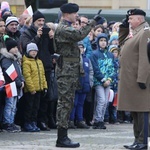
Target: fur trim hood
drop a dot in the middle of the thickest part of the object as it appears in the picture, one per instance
(5, 53)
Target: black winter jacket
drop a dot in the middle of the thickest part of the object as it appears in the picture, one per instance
(45, 46)
(6, 60)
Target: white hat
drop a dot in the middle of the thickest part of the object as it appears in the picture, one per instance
(31, 46)
(11, 19)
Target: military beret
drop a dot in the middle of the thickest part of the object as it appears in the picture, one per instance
(136, 12)
(69, 8)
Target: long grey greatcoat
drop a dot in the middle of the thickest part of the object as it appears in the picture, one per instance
(134, 68)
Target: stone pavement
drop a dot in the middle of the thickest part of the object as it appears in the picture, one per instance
(113, 138)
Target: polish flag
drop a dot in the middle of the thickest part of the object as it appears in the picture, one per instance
(12, 72)
(29, 11)
(11, 89)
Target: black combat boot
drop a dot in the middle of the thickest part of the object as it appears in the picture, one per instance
(63, 140)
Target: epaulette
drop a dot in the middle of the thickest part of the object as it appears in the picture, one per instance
(146, 28)
(148, 40)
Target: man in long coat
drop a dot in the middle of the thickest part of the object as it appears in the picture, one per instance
(134, 75)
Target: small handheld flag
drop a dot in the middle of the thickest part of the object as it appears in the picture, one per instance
(12, 72)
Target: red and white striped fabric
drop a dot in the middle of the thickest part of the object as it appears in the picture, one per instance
(11, 90)
(29, 11)
(111, 95)
(12, 72)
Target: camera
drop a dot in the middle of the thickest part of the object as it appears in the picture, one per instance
(45, 30)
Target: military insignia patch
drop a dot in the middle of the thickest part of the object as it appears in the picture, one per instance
(148, 40)
(146, 28)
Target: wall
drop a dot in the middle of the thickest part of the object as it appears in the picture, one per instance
(111, 4)
(16, 6)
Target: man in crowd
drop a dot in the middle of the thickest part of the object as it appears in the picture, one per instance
(12, 28)
(36, 35)
(134, 89)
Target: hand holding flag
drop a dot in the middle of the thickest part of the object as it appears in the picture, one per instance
(11, 89)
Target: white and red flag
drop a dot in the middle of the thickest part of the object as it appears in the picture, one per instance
(12, 72)
(11, 89)
(29, 11)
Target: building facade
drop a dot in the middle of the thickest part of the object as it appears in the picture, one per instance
(113, 4)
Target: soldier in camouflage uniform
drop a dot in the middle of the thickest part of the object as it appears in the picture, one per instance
(68, 67)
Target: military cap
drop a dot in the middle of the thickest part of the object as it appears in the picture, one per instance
(136, 12)
(69, 8)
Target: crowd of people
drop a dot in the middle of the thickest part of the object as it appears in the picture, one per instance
(35, 107)
(66, 72)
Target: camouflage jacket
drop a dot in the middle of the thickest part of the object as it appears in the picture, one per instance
(66, 38)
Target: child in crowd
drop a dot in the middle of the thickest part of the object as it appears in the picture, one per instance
(35, 83)
(103, 67)
(114, 86)
(114, 39)
(86, 82)
(96, 31)
(11, 56)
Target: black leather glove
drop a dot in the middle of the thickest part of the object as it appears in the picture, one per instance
(125, 22)
(97, 17)
(142, 85)
(148, 51)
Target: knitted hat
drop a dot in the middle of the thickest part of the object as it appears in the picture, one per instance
(4, 5)
(31, 46)
(11, 19)
(113, 37)
(113, 48)
(69, 8)
(4, 11)
(37, 14)
(10, 43)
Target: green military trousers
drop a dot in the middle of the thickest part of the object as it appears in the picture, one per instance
(138, 126)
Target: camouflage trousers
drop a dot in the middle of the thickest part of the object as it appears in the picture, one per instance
(66, 90)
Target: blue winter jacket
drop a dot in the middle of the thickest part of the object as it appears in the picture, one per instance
(114, 85)
(88, 48)
(103, 66)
